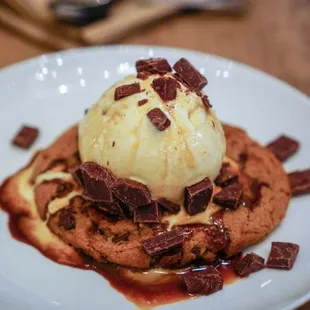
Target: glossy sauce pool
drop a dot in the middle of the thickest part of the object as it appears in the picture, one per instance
(145, 289)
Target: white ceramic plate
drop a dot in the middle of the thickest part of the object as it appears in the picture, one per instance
(52, 91)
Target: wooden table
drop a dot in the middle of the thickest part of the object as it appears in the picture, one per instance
(274, 36)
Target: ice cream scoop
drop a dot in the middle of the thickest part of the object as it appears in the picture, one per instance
(119, 134)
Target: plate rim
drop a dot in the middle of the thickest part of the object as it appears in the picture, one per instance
(82, 50)
(245, 68)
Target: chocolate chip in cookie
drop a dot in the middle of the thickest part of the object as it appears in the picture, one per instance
(132, 193)
(198, 196)
(283, 147)
(249, 263)
(282, 255)
(66, 219)
(227, 176)
(204, 282)
(163, 243)
(229, 196)
(299, 182)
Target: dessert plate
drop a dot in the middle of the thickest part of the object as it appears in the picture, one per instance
(52, 92)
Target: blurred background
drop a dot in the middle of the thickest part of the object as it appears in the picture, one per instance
(271, 35)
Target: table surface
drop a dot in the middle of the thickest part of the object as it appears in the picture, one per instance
(274, 36)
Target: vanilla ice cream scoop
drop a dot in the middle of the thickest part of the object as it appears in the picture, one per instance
(119, 135)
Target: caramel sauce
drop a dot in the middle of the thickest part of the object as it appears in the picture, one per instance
(146, 289)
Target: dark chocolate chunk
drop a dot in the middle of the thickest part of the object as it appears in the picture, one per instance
(190, 74)
(283, 147)
(97, 182)
(206, 101)
(142, 102)
(132, 193)
(163, 242)
(126, 90)
(282, 255)
(147, 214)
(249, 263)
(85, 111)
(120, 238)
(153, 66)
(66, 219)
(77, 174)
(113, 208)
(26, 137)
(300, 182)
(204, 282)
(159, 119)
(166, 88)
(198, 196)
(226, 177)
(169, 205)
(229, 196)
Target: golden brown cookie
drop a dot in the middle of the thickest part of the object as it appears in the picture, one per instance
(54, 214)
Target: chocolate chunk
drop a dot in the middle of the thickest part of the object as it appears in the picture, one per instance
(97, 182)
(142, 102)
(282, 255)
(77, 174)
(229, 196)
(159, 119)
(196, 251)
(113, 208)
(249, 263)
(132, 193)
(120, 238)
(198, 196)
(204, 282)
(26, 137)
(169, 205)
(283, 147)
(190, 74)
(226, 177)
(153, 66)
(126, 90)
(147, 214)
(163, 242)
(300, 182)
(66, 219)
(166, 87)
(206, 101)
(85, 111)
